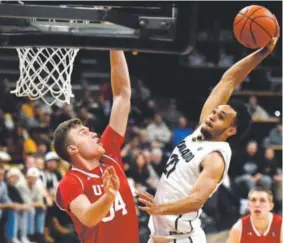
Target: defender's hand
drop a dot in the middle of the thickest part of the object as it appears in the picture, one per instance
(111, 182)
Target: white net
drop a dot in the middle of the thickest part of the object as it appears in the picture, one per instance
(46, 73)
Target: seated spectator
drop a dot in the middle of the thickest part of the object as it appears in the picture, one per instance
(172, 115)
(15, 144)
(157, 161)
(181, 131)
(32, 195)
(7, 210)
(247, 165)
(140, 173)
(256, 110)
(275, 136)
(268, 168)
(158, 130)
(20, 217)
(271, 174)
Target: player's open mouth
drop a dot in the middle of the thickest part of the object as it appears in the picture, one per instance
(257, 211)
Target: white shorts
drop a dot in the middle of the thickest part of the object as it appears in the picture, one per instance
(197, 236)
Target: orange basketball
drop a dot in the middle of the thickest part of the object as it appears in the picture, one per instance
(254, 26)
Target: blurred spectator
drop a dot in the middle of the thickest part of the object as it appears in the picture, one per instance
(15, 144)
(7, 210)
(158, 130)
(256, 110)
(247, 164)
(86, 117)
(20, 217)
(140, 173)
(31, 193)
(181, 131)
(8, 102)
(225, 59)
(172, 115)
(140, 92)
(157, 161)
(268, 168)
(196, 58)
(275, 136)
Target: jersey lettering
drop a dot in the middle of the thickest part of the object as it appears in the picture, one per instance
(185, 152)
(97, 190)
(118, 204)
(171, 164)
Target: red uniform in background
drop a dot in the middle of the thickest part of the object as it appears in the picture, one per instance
(120, 225)
(251, 235)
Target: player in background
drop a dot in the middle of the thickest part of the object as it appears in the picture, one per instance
(199, 163)
(260, 225)
(95, 191)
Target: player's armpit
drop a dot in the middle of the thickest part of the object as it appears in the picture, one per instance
(213, 168)
(90, 214)
(235, 233)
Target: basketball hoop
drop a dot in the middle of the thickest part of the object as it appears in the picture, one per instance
(46, 73)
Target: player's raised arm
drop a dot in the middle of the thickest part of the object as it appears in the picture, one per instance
(234, 76)
(121, 88)
(213, 169)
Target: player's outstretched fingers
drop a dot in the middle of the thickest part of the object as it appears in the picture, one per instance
(112, 171)
(145, 196)
(148, 203)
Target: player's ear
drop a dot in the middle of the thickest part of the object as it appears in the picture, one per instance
(231, 131)
(271, 206)
(72, 149)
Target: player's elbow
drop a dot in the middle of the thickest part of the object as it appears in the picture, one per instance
(88, 221)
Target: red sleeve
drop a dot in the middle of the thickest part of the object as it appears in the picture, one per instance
(70, 187)
(112, 141)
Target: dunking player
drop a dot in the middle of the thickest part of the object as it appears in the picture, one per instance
(95, 192)
(198, 164)
(260, 226)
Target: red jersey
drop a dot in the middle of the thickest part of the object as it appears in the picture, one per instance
(250, 234)
(120, 225)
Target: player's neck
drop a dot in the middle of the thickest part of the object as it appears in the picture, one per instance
(86, 165)
(261, 224)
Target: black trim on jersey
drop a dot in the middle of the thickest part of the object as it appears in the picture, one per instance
(191, 240)
(176, 222)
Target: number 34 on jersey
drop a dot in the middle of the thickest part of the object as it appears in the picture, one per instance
(118, 204)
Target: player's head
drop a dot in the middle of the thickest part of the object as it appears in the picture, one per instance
(73, 140)
(260, 202)
(227, 122)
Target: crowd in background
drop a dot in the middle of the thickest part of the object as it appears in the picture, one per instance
(30, 170)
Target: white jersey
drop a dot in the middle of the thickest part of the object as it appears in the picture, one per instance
(180, 175)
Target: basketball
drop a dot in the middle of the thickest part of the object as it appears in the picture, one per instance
(254, 26)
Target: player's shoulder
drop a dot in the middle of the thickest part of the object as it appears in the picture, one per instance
(277, 218)
(246, 217)
(71, 179)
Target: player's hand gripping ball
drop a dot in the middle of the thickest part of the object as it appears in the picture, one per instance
(254, 26)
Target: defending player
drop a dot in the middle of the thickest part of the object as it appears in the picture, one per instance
(198, 164)
(260, 225)
(95, 192)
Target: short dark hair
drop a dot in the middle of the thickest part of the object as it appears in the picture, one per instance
(262, 189)
(242, 122)
(61, 137)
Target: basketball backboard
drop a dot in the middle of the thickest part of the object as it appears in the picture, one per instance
(160, 27)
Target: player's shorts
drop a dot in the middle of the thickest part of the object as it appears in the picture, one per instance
(197, 236)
